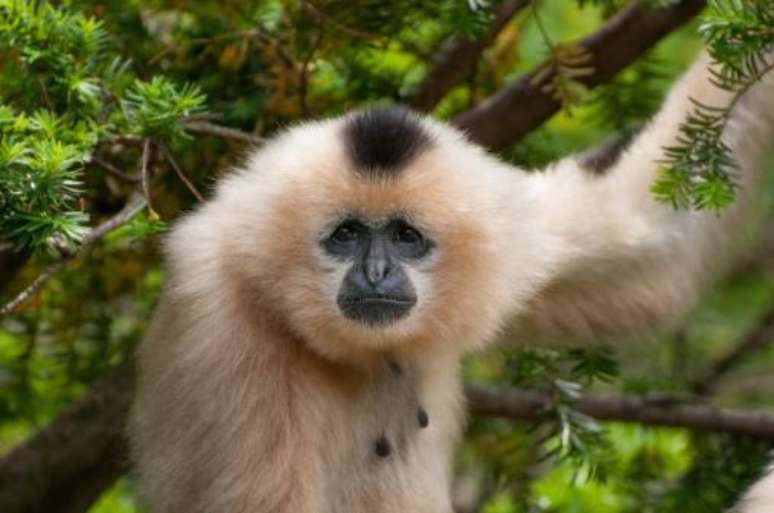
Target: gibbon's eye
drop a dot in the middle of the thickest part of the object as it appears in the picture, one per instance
(408, 235)
(409, 241)
(346, 232)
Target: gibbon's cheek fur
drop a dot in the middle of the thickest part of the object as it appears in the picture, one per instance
(314, 367)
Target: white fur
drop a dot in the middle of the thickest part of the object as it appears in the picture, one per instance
(256, 395)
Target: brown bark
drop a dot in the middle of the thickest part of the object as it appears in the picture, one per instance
(509, 114)
(457, 59)
(527, 405)
(66, 466)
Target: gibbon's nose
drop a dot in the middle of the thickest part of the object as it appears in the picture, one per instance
(376, 270)
(377, 263)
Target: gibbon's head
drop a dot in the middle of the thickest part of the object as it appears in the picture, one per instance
(376, 230)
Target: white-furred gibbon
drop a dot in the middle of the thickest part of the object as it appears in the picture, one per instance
(304, 354)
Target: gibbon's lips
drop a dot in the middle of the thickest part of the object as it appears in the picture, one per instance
(376, 309)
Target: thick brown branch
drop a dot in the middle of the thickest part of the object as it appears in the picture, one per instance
(457, 58)
(508, 115)
(527, 405)
(65, 467)
(135, 203)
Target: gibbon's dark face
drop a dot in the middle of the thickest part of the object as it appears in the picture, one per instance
(377, 290)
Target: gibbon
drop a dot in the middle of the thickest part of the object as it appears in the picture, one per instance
(304, 356)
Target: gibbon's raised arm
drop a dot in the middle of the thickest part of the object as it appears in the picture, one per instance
(622, 261)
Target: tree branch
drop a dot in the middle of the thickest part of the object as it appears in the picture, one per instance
(207, 128)
(325, 19)
(65, 467)
(113, 170)
(11, 261)
(509, 114)
(145, 175)
(457, 58)
(179, 172)
(134, 205)
(527, 405)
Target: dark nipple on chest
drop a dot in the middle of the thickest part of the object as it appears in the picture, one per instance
(382, 447)
(422, 418)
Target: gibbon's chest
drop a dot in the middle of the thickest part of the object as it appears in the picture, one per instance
(394, 438)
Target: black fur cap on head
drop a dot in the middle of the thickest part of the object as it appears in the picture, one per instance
(381, 141)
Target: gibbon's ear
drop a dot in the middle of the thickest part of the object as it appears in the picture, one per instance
(623, 261)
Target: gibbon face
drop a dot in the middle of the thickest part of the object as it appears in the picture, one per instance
(376, 289)
(377, 230)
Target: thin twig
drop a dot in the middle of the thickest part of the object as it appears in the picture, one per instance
(130, 139)
(519, 404)
(323, 18)
(207, 128)
(757, 339)
(113, 170)
(145, 175)
(303, 85)
(172, 162)
(260, 35)
(46, 99)
(544, 35)
(202, 116)
(746, 87)
(133, 206)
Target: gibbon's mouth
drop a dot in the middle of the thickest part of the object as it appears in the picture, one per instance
(380, 298)
(376, 309)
